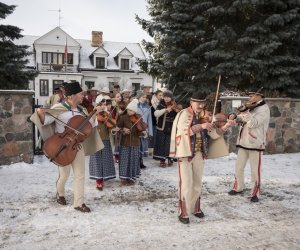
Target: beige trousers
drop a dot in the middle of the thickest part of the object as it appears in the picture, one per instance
(78, 166)
(190, 184)
(254, 158)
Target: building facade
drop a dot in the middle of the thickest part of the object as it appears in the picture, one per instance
(59, 58)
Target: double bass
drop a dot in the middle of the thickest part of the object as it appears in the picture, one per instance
(61, 148)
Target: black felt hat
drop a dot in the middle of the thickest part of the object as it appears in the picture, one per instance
(72, 88)
(251, 93)
(198, 97)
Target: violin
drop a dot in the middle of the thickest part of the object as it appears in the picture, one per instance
(219, 120)
(87, 104)
(61, 148)
(253, 102)
(173, 105)
(137, 121)
(105, 117)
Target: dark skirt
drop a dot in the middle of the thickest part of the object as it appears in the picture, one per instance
(129, 164)
(153, 138)
(102, 166)
(162, 146)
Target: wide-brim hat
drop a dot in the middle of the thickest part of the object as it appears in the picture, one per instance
(145, 86)
(105, 90)
(72, 88)
(198, 97)
(125, 91)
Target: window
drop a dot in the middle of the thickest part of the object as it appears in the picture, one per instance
(100, 62)
(56, 58)
(57, 83)
(89, 84)
(125, 64)
(44, 87)
(136, 86)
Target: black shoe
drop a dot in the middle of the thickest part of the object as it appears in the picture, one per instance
(254, 199)
(199, 214)
(184, 220)
(61, 200)
(83, 209)
(233, 192)
(142, 166)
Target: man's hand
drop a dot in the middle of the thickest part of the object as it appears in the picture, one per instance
(207, 126)
(245, 117)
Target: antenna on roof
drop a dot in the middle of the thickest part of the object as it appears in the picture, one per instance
(59, 16)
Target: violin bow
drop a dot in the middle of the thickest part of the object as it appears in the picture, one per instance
(63, 123)
(216, 98)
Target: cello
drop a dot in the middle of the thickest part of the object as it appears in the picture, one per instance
(61, 148)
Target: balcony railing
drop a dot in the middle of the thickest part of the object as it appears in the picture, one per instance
(69, 68)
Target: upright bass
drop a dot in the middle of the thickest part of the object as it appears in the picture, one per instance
(61, 148)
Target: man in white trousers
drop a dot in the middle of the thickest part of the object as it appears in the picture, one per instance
(251, 143)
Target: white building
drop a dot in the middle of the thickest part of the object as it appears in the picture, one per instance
(93, 63)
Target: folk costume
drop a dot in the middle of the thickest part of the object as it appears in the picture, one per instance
(93, 143)
(190, 144)
(251, 142)
(165, 121)
(101, 165)
(129, 155)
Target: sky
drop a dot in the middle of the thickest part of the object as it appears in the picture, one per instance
(115, 18)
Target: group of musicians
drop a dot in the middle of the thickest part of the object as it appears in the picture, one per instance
(125, 125)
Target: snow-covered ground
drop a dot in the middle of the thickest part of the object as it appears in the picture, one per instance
(144, 216)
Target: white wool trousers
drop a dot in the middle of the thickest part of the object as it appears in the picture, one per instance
(78, 166)
(190, 183)
(254, 158)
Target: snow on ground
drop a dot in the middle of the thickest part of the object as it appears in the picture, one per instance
(144, 216)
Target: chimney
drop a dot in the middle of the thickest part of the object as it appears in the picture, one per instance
(97, 40)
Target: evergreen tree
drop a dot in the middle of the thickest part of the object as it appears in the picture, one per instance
(13, 72)
(251, 43)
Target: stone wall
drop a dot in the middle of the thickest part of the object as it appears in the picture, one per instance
(283, 135)
(16, 142)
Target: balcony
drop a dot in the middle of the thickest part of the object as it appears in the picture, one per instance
(61, 68)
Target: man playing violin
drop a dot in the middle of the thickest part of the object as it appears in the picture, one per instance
(191, 143)
(54, 120)
(251, 141)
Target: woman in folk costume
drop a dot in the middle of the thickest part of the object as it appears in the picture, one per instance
(145, 111)
(102, 166)
(52, 121)
(129, 163)
(191, 143)
(165, 115)
(156, 98)
(120, 109)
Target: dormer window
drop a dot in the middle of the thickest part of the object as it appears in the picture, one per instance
(124, 64)
(100, 63)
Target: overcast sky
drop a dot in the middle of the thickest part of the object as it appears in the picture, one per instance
(115, 18)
